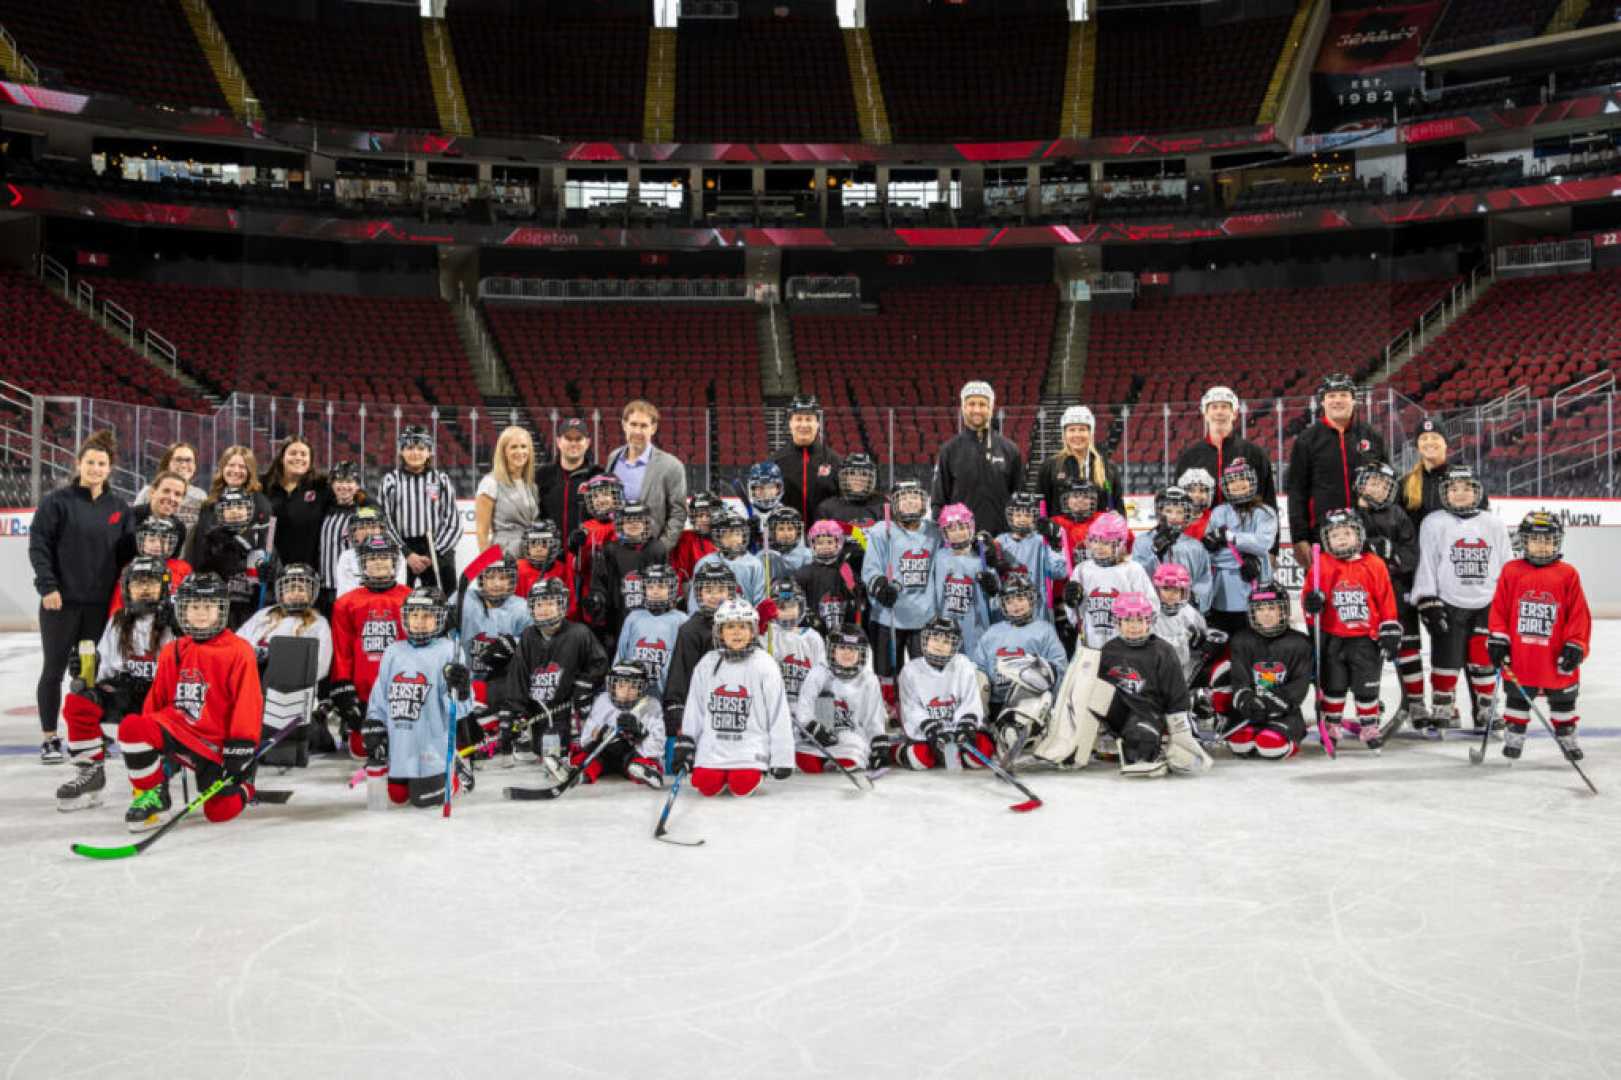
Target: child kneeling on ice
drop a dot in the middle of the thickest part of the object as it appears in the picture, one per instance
(628, 716)
(1148, 712)
(942, 709)
(735, 726)
(841, 709)
(408, 714)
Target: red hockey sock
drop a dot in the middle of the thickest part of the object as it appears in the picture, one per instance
(228, 803)
(83, 715)
(1274, 744)
(1242, 741)
(809, 763)
(141, 739)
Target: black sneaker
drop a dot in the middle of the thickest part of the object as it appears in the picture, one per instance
(50, 751)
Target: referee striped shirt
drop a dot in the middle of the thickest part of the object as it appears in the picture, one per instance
(421, 505)
(334, 542)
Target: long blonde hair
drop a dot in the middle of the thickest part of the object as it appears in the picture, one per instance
(218, 486)
(509, 436)
(1094, 464)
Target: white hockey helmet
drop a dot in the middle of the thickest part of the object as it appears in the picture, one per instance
(1218, 394)
(1078, 414)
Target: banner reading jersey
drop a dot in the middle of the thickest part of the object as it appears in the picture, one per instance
(1368, 63)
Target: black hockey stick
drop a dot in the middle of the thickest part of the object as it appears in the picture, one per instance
(862, 782)
(1477, 754)
(1032, 803)
(1574, 764)
(557, 791)
(125, 851)
(660, 832)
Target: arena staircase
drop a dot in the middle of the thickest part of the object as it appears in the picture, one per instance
(1568, 16)
(447, 80)
(12, 61)
(227, 72)
(658, 117)
(1287, 59)
(1412, 343)
(871, 114)
(1062, 386)
(1080, 89)
(779, 373)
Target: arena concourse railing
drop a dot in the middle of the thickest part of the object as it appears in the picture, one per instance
(1563, 446)
(639, 290)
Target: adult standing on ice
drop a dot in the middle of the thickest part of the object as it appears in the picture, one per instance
(977, 467)
(1080, 461)
(1324, 462)
(1222, 445)
(73, 546)
(653, 477)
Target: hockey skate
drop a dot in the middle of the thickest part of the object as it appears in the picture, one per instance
(1513, 741)
(149, 809)
(1566, 737)
(1441, 718)
(85, 790)
(1412, 713)
(644, 773)
(1485, 714)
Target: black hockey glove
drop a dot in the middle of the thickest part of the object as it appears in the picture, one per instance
(1215, 539)
(934, 733)
(1247, 703)
(1213, 642)
(1072, 594)
(1390, 642)
(1497, 651)
(989, 584)
(781, 773)
(236, 758)
(596, 606)
(966, 730)
(1272, 706)
(346, 703)
(1570, 658)
(498, 653)
(824, 735)
(1434, 614)
(1163, 540)
(1380, 546)
(576, 540)
(459, 681)
(1048, 530)
(374, 736)
(881, 752)
(686, 751)
(1249, 568)
(884, 591)
(1312, 601)
(631, 728)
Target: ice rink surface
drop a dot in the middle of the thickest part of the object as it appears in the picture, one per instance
(1406, 915)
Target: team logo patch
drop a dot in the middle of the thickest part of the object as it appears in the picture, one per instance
(1269, 674)
(1536, 617)
(407, 693)
(191, 693)
(794, 670)
(1126, 677)
(941, 708)
(957, 595)
(543, 682)
(914, 569)
(1471, 560)
(729, 711)
(378, 633)
(1352, 605)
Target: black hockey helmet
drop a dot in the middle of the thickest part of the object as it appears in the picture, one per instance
(498, 580)
(1335, 521)
(1333, 382)
(545, 536)
(234, 509)
(710, 575)
(1461, 476)
(424, 600)
(144, 569)
(787, 592)
(1016, 585)
(940, 630)
(847, 638)
(1264, 597)
(661, 577)
(297, 586)
(857, 467)
(157, 537)
(730, 533)
(553, 592)
(1376, 483)
(202, 606)
(364, 517)
(1541, 525)
(803, 404)
(627, 683)
(1022, 509)
(370, 556)
(344, 471)
(634, 513)
(909, 491)
(785, 517)
(415, 435)
(1173, 498)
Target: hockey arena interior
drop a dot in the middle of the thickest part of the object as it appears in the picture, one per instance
(1001, 538)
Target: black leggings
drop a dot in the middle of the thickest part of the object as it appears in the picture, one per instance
(59, 634)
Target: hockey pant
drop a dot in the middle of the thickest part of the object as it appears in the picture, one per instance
(86, 712)
(1351, 666)
(147, 748)
(922, 754)
(739, 782)
(1461, 648)
(1561, 707)
(422, 791)
(614, 760)
(1409, 657)
(1139, 729)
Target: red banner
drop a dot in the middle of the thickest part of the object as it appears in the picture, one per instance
(1358, 42)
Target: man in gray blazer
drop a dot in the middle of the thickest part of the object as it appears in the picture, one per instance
(650, 476)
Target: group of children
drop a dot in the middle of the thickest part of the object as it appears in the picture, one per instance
(880, 636)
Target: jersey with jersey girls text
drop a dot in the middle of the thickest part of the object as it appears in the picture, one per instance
(737, 712)
(1537, 609)
(950, 696)
(1100, 585)
(1459, 559)
(853, 709)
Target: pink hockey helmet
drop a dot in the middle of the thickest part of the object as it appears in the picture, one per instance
(956, 514)
(1132, 605)
(1172, 575)
(1110, 527)
(825, 527)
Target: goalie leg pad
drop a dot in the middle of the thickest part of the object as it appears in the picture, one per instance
(1183, 752)
(1141, 749)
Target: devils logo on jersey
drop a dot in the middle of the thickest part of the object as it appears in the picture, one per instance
(957, 595)
(1352, 605)
(190, 692)
(794, 670)
(842, 719)
(1537, 615)
(941, 708)
(914, 569)
(377, 634)
(729, 711)
(543, 682)
(1125, 677)
(1269, 674)
(407, 693)
(1471, 560)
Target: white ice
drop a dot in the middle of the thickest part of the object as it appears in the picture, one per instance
(1407, 915)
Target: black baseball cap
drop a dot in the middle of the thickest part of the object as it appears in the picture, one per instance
(572, 425)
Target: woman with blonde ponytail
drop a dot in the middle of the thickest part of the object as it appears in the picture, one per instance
(1079, 459)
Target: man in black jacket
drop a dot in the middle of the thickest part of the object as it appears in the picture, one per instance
(810, 471)
(978, 467)
(1324, 461)
(1222, 444)
(557, 483)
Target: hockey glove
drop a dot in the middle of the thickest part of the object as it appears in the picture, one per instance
(498, 653)
(781, 773)
(596, 606)
(237, 758)
(459, 681)
(988, 583)
(346, 703)
(884, 591)
(1312, 600)
(374, 736)
(966, 730)
(576, 540)
(631, 728)
(1072, 594)
(1570, 658)
(1380, 546)
(686, 751)
(1434, 614)
(1249, 568)
(1164, 539)
(1247, 703)
(1212, 643)
(1048, 530)
(1390, 641)
(1497, 651)
(881, 752)
(934, 733)
(824, 735)
(1215, 539)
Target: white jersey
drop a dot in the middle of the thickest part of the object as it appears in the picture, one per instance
(604, 715)
(141, 662)
(852, 708)
(347, 575)
(1178, 631)
(267, 623)
(1460, 559)
(796, 653)
(1100, 585)
(949, 695)
(737, 712)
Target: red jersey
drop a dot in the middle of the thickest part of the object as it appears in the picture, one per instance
(364, 625)
(178, 571)
(1536, 609)
(688, 550)
(1075, 532)
(1198, 525)
(206, 692)
(1358, 599)
(561, 569)
(597, 533)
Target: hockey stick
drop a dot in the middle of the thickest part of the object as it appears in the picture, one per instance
(847, 578)
(269, 549)
(1323, 734)
(1477, 754)
(556, 791)
(862, 782)
(889, 576)
(1532, 705)
(125, 851)
(1032, 801)
(660, 832)
(473, 748)
(490, 556)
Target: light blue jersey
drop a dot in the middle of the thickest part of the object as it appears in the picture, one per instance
(1186, 551)
(1035, 638)
(1252, 532)
(1044, 565)
(410, 697)
(745, 568)
(650, 640)
(904, 555)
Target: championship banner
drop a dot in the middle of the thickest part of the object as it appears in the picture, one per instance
(1368, 63)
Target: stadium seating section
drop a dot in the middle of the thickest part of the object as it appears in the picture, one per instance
(918, 350)
(579, 356)
(949, 77)
(1263, 344)
(1162, 72)
(551, 74)
(381, 351)
(364, 67)
(764, 80)
(1478, 23)
(48, 348)
(142, 49)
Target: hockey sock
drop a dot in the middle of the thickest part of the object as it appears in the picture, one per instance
(1242, 740)
(916, 755)
(1410, 667)
(809, 763)
(1333, 706)
(84, 716)
(1274, 744)
(141, 740)
(1444, 683)
(227, 804)
(1483, 681)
